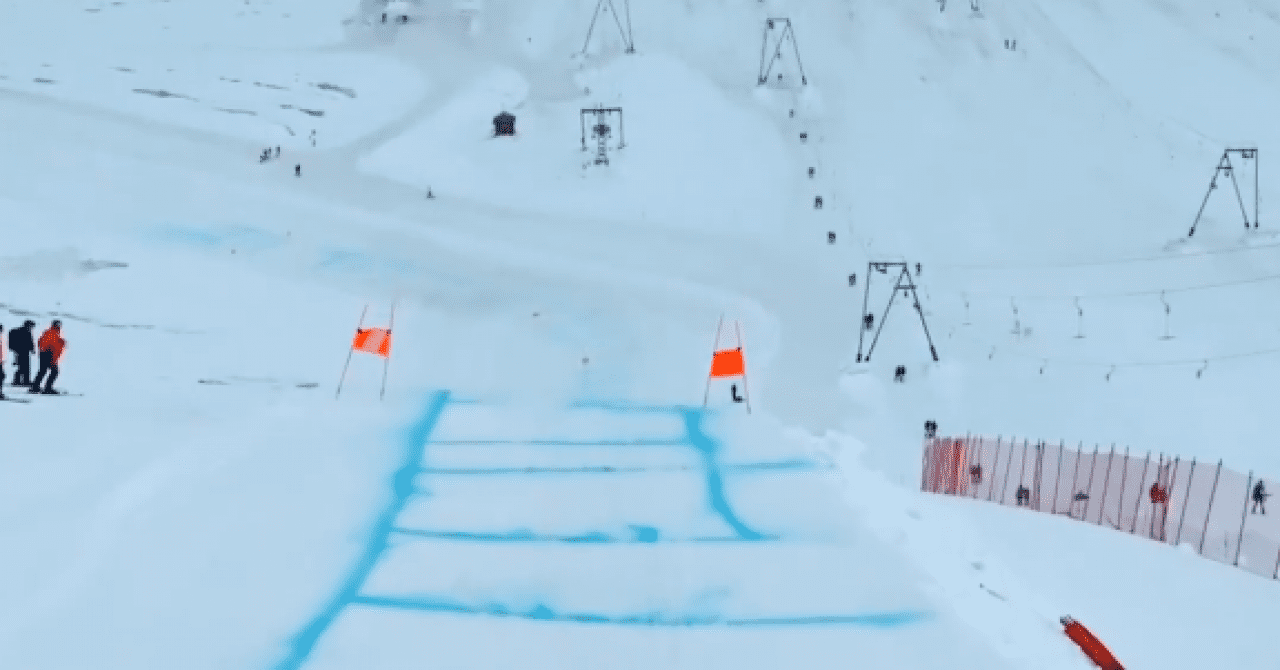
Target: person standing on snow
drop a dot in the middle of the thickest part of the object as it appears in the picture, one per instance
(1259, 497)
(21, 344)
(51, 345)
(1, 363)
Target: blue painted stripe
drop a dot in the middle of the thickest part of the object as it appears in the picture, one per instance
(513, 536)
(870, 620)
(595, 537)
(302, 644)
(639, 442)
(540, 612)
(774, 466)
(622, 406)
(709, 449)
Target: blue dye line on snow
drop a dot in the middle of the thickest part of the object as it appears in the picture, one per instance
(301, 646)
(768, 466)
(540, 612)
(584, 470)
(715, 482)
(623, 406)
(215, 235)
(416, 442)
(639, 534)
(513, 536)
(869, 620)
(700, 440)
(795, 464)
(347, 261)
(551, 442)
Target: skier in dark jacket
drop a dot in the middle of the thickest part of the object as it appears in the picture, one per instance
(2, 364)
(1023, 495)
(51, 346)
(1260, 497)
(22, 344)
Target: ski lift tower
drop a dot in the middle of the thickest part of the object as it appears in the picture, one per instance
(777, 31)
(902, 283)
(1248, 160)
(601, 131)
(608, 6)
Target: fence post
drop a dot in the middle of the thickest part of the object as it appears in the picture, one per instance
(1244, 513)
(1093, 466)
(1138, 505)
(1057, 479)
(1038, 477)
(1022, 470)
(1160, 466)
(1075, 478)
(1124, 474)
(946, 466)
(1213, 493)
(1169, 497)
(995, 470)
(924, 465)
(1276, 571)
(1106, 483)
(978, 452)
(1008, 463)
(1186, 499)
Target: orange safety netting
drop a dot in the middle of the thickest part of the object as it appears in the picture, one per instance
(373, 341)
(728, 363)
(1217, 512)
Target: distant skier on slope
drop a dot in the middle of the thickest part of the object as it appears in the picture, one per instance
(22, 344)
(1260, 497)
(51, 345)
(1, 362)
(1023, 495)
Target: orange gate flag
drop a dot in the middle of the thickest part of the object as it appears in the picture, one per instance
(728, 363)
(373, 341)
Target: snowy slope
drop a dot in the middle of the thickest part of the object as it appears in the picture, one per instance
(541, 484)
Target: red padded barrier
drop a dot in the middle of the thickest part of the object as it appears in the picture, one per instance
(1090, 645)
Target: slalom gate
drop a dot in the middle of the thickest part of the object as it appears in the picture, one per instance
(1217, 511)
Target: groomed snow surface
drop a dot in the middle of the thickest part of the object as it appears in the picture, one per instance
(541, 486)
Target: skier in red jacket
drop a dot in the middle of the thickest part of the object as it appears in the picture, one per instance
(50, 345)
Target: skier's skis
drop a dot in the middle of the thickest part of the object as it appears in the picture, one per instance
(15, 399)
(57, 393)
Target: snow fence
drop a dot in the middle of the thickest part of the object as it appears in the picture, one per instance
(1218, 512)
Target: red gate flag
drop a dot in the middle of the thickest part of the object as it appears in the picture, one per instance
(373, 341)
(728, 363)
